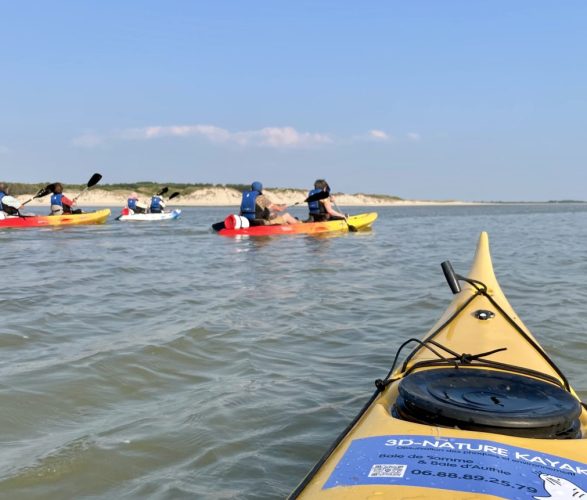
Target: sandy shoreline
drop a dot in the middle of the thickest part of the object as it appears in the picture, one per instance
(220, 196)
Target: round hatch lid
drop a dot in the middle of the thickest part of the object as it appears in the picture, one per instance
(488, 400)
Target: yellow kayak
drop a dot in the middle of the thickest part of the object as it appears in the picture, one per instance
(476, 410)
(97, 217)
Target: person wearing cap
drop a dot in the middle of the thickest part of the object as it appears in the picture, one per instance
(135, 205)
(260, 210)
(322, 210)
(61, 204)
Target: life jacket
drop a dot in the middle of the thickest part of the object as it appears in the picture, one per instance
(249, 207)
(57, 205)
(2, 195)
(131, 203)
(156, 206)
(9, 205)
(316, 208)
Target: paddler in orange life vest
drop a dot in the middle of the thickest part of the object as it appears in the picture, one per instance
(260, 211)
(322, 210)
(61, 204)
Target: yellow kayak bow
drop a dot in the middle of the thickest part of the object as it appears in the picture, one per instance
(476, 410)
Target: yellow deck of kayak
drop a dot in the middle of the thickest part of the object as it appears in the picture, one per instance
(465, 334)
(97, 217)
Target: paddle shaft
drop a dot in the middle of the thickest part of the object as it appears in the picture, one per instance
(40, 193)
(351, 228)
(92, 182)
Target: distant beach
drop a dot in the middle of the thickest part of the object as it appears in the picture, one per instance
(225, 196)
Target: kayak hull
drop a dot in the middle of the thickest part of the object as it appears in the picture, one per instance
(150, 217)
(382, 455)
(97, 217)
(360, 221)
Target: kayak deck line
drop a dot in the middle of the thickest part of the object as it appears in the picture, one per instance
(479, 386)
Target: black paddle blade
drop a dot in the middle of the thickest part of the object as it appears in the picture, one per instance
(352, 229)
(218, 226)
(174, 195)
(163, 191)
(94, 180)
(45, 191)
(322, 195)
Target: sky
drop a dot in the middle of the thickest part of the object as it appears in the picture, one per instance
(422, 99)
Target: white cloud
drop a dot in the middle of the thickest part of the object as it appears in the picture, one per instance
(210, 132)
(274, 137)
(279, 137)
(271, 137)
(379, 135)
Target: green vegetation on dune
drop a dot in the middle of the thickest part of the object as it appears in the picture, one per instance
(148, 188)
(143, 187)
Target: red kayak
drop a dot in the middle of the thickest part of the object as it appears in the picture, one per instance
(352, 223)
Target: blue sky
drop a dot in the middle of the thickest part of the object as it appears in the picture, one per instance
(472, 100)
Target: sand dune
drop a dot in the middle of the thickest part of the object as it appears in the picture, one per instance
(222, 196)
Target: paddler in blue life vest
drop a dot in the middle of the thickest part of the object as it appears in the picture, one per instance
(322, 210)
(157, 205)
(260, 211)
(8, 204)
(61, 204)
(135, 205)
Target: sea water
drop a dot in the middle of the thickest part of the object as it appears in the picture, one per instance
(160, 360)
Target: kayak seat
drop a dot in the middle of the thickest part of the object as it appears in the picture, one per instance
(488, 401)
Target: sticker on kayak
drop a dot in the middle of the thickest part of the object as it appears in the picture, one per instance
(470, 465)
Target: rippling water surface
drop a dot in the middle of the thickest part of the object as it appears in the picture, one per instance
(160, 360)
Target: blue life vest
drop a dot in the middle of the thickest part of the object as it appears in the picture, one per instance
(56, 199)
(248, 205)
(2, 195)
(132, 203)
(316, 207)
(156, 207)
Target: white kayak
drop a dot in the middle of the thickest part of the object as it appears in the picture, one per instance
(150, 217)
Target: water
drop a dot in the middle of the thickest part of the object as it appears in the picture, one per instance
(162, 361)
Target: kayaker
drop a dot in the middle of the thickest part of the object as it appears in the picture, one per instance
(157, 205)
(322, 210)
(260, 210)
(8, 204)
(135, 205)
(3, 190)
(61, 204)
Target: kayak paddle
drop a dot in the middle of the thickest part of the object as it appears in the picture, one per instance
(92, 182)
(41, 192)
(163, 191)
(174, 195)
(352, 229)
(322, 195)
